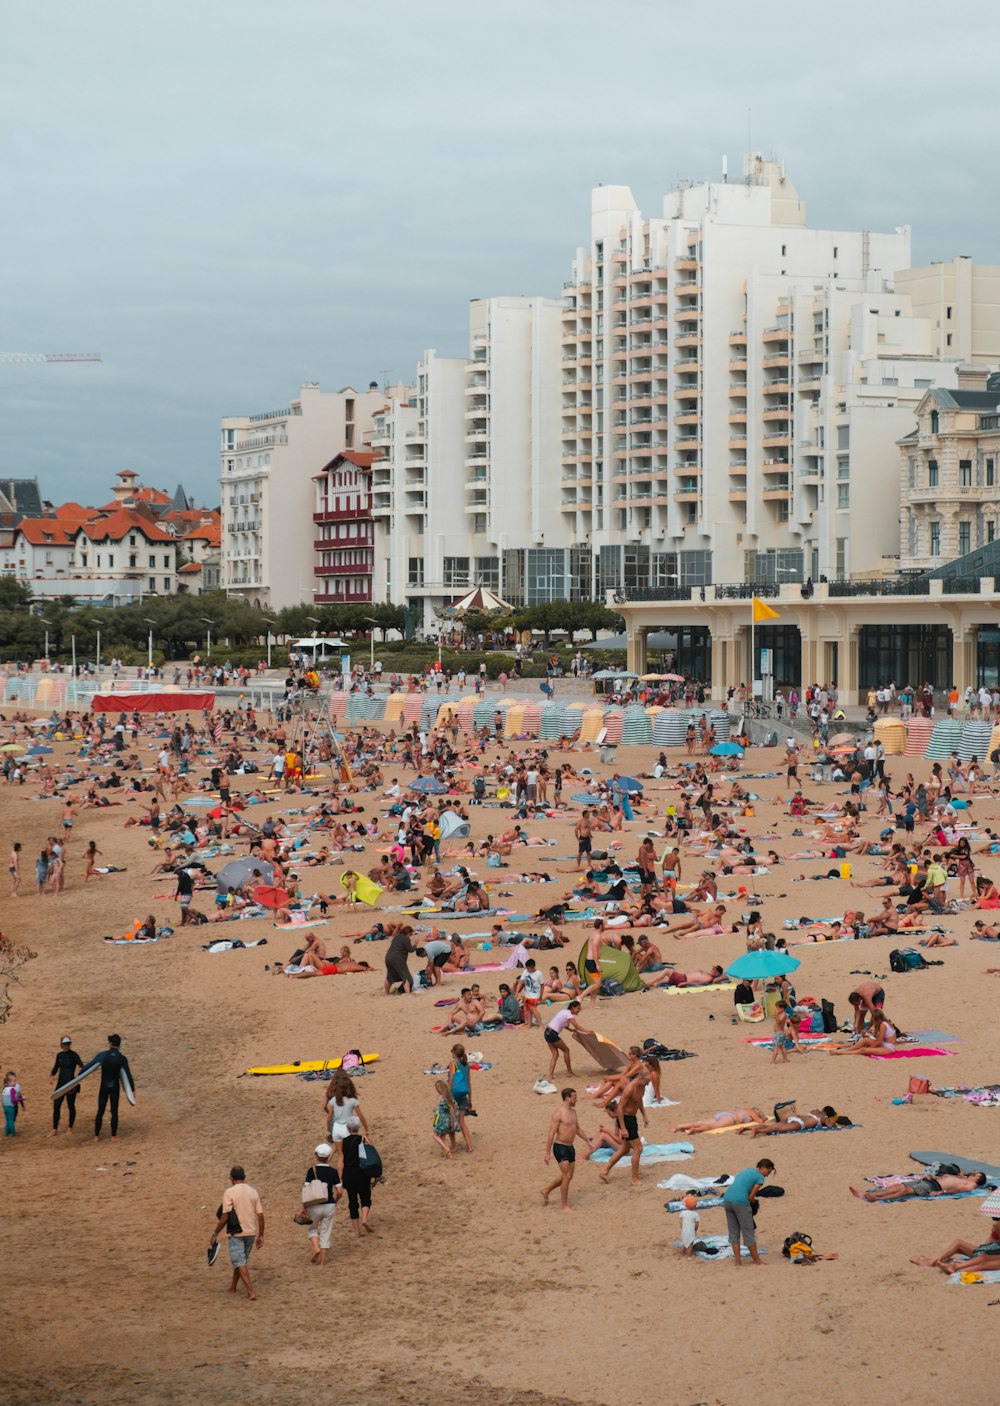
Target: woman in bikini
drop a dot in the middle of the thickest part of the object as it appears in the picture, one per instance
(882, 1040)
(827, 1117)
(727, 1119)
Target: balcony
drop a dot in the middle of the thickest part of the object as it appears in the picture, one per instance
(775, 387)
(771, 363)
(345, 597)
(775, 334)
(776, 441)
(687, 442)
(778, 493)
(738, 441)
(737, 495)
(807, 354)
(738, 338)
(258, 441)
(775, 466)
(686, 263)
(737, 468)
(687, 339)
(688, 417)
(324, 515)
(346, 569)
(738, 417)
(687, 495)
(334, 544)
(777, 412)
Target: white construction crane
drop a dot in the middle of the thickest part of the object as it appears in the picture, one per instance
(22, 358)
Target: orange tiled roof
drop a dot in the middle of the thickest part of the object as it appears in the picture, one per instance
(44, 532)
(115, 525)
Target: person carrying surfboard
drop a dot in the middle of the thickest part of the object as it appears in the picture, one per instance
(113, 1065)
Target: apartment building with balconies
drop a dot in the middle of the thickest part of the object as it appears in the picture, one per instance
(686, 340)
(268, 462)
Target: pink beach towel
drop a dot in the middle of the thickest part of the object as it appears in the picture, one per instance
(912, 1054)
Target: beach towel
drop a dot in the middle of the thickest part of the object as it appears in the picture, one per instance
(705, 1203)
(718, 1248)
(680, 1181)
(695, 990)
(921, 1051)
(975, 1276)
(986, 1096)
(651, 1152)
(365, 891)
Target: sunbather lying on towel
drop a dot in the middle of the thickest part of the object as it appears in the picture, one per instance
(692, 978)
(827, 1117)
(731, 1119)
(942, 1185)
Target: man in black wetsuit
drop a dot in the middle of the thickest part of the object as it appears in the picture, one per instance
(68, 1062)
(112, 1063)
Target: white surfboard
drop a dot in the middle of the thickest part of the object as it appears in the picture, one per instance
(84, 1073)
(127, 1087)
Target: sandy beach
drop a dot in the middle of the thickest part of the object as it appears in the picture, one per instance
(470, 1290)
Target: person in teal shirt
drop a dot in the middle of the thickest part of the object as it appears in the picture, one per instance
(739, 1200)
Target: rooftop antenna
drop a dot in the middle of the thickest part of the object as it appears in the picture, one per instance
(749, 146)
(725, 170)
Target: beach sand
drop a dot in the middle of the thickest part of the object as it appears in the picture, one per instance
(471, 1290)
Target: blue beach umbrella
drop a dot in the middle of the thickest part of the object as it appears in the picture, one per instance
(626, 784)
(726, 749)
(428, 786)
(39, 751)
(755, 966)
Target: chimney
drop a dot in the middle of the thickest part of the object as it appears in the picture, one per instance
(971, 378)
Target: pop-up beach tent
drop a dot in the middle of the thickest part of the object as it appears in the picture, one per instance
(615, 963)
(453, 827)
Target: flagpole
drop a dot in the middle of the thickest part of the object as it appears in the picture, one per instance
(753, 654)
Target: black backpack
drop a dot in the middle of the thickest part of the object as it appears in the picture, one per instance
(829, 1018)
(906, 959)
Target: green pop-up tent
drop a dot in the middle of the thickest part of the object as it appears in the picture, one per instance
(615, 963)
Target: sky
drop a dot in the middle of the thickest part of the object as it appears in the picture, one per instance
(230, 199)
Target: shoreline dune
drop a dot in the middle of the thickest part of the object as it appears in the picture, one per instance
(471, 1290)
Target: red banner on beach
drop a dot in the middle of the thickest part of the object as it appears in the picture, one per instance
(153, 702)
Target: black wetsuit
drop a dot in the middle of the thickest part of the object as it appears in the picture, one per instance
(67, 1064)
(112, 1063)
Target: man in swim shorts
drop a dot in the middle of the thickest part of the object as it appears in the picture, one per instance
(943, 1185)
(629, 1107)
(584, 832)
(866, 998)
(564, 1129)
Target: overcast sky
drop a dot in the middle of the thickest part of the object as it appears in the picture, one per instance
(228, 199)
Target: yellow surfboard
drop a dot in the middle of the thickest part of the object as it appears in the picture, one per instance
(303, 1066)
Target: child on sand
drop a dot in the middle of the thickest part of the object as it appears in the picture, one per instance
(445, 1119)
(786, 1036)
(13, 1101)
(689, 1225)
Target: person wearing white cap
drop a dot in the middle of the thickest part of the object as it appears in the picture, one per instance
(318, 1213)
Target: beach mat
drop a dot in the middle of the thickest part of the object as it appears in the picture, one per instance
(651, 1152)
(966, 1164)
(921, 1052)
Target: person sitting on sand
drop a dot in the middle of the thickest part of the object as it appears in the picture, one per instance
(826, 1117)
(647, 957)
(735, 1118)
(885, 921)
(714, 977)
(976, 1257)
(942, 1185)
(881, 1039)
(466, 1015)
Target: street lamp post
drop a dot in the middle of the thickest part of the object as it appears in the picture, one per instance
(46, 624)
(208, 646)
(150, 623)
(314, 620)
(269, 621)
(371, 635)
(73, 642)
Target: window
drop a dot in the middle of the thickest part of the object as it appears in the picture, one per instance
(991, 529)
(835, 251)
(965, 473)
(166, 583)
(456, 571)
(990, 473)
(166, 559)
(948, 313)
(479, 523)
(947, 340)
(932, 473)
(935, 539)
(415, 571)
(935, 422)
(133, 559)
(152, 583)
(488, 572)
(152, 559)
(964, 538)
(841, 567)
(843, 495)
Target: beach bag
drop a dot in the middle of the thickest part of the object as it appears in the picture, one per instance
(313, 1190)
(796, 1239)
(829, 1017)
(493, 860)
(610, 986)
(369, 1161)
(906, 959)
(352, 1060)
(919, 1086)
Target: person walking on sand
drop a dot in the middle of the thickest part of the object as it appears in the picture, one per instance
(553, 1032)
(564, 1129)
(740, 1201)
(14, 868)
(113, 1064)
(244, 1231)
(629, 1106)
(65, 1068)
(785, 1035)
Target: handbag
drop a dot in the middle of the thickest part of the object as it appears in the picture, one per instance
(369, 1161)
(919, 1086)
(314, 1190)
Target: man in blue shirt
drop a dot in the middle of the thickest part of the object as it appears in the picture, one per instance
(739, 1200)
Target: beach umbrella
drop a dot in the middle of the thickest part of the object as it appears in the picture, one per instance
(655, 678)
(626, 783)
(12, 747)
(991, 1206)
(726, 749)
(842, 751)
(270, 896)
(674, 678)
(240, 871)
(428, 786)
(755, 966)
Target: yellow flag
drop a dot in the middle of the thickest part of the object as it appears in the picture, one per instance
(763, 612)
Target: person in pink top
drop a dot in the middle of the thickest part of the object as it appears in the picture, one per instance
(563, 1020)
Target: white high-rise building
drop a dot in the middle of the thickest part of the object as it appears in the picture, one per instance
(267, 466)
(716, 363)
